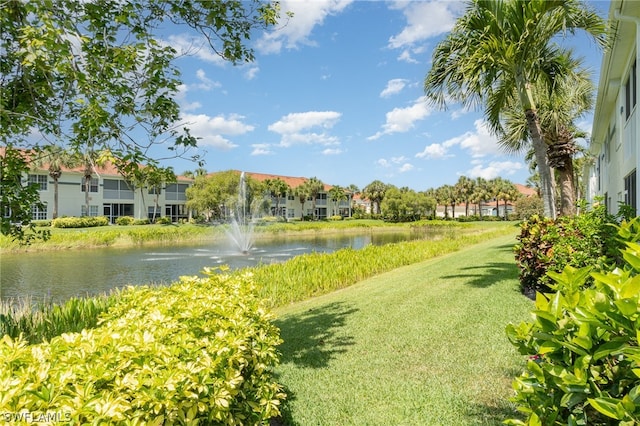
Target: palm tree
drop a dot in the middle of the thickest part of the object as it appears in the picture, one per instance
(464, 189)
(302, 192)
(315, 186)
(568, 99)
(480, 193)
(494, 54)
(375, 192)
(55, 158)
(277, 188)
(337, 194)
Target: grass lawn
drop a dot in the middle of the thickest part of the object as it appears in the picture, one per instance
(420, 345)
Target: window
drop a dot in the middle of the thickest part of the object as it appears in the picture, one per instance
(630, 190)
(155, 190)
(176, 192)
(93, 185)
(39, 180)
(37, 213)
(93, 211)
(630, 90)
(118, 189)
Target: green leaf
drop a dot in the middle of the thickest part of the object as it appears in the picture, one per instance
(631, 288)
(609, 348)
(606, 406)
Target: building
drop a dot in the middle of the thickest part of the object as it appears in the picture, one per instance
(486, 207)
(291, 207)
(614, 140)
(106, 194)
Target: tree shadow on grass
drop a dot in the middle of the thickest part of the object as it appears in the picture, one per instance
(488, 274)
(314, 337)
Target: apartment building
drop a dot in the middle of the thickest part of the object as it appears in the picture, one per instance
(108, 194)
(614, 140)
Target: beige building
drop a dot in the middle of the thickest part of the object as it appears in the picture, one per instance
(614, 139)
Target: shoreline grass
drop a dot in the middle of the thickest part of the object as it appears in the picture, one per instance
(156, 235)
(422, 344)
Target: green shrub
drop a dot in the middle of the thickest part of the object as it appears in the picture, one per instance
(163, 220)
(198, 352)
(584, 364)
(125, 220)
(527, 207)
(41, 223)
(550, 245)
(141, 222)
(80, 222)
(335, 217)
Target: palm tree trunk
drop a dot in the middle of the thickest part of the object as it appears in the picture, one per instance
(55, 198)
(547, 189)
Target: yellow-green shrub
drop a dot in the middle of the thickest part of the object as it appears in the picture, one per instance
(79, 222)
(201, 349)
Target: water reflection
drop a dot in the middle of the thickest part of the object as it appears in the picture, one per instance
(62, 274)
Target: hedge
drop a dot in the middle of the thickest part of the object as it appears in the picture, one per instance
(200, 351)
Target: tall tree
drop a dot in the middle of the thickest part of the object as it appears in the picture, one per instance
(480, 193)
(277, 188)
(560, 106)
(315, 187)
(465, 188)
(303, 192)
(375, 192)
(497, 50)
(55, 158)
(337, 194)
(93, 74)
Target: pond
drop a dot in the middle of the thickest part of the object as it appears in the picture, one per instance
(59, 275)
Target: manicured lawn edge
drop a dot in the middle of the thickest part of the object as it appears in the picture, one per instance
(422, 344)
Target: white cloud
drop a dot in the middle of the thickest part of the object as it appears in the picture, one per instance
(251, 73)
(394, 87)
(399, 163)
(479, 142)
(181, 98)
(332, 151)
(383, 162)
(296, 128)
(406, 167)
(494, 169)
(261, 149)
(434, 151)
(210, 130)
(187, 45)
(425, 19)
(401, 120)
(296, 30)
(205, 82)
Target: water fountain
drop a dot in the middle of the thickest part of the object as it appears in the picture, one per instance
(240, 232)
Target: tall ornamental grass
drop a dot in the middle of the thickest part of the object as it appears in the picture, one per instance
(313, 274)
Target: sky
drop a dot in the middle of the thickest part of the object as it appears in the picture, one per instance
(336, 92)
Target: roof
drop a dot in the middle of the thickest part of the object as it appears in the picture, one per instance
(104, 169)
(527, 191)
(292, 181)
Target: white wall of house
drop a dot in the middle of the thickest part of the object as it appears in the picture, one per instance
(614, 140)
(109, 195)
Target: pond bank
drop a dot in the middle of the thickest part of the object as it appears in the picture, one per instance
(159, 235)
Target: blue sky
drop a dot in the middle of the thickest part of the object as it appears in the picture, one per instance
(337, 93)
